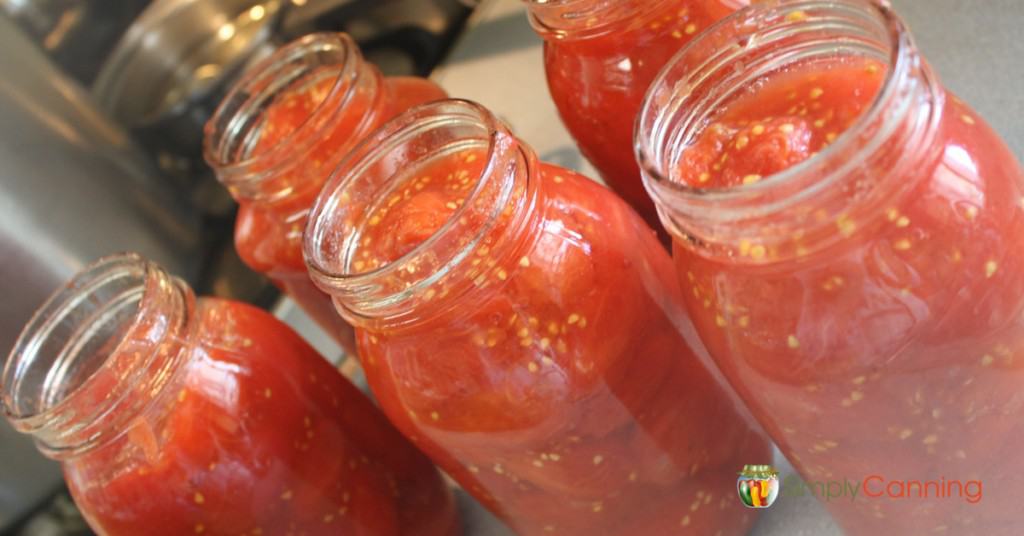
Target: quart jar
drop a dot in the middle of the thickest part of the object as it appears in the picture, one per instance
(523, 327)
(600, 56)
(848, 233)
(277, 135)
(173, 415)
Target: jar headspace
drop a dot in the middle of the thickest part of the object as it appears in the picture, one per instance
(382, 172)
(809, 198)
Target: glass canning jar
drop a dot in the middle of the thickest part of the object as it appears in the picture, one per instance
(848, 234)
(279, 133)
(174, 415)
(523, 326)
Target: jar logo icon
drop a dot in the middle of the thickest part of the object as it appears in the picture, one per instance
(758, 486)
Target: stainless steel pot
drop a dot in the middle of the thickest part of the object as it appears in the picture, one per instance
(77, 34)
(173, 65)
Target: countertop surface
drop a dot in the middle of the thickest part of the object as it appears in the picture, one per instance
(972, 44)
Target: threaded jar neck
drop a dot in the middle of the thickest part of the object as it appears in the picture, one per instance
(497, 205)
(872, 157)
(327, 66)
(96, 354)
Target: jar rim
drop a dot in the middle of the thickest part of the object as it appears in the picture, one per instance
(332, 236)
(217, 143)
(766, 16)
(54, 309)
(52, 383)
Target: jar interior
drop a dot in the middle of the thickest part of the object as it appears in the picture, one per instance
(309, 63)
(398, 173)
(856, 171)
(743, 54)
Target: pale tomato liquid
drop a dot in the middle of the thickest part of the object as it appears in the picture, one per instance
(896, 354)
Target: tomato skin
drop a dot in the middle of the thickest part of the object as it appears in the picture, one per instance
(560, 392)
(893, 349)
(598, 83)
(259, 433)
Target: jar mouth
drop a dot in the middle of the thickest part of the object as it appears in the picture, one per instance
(722, 61)
(233, 130)
(105, 298)
(374, 170)
(95, 354)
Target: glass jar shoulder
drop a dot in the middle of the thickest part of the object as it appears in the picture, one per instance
(912, 276)
(335, 442)
(580, 212)
(270, 241)
(610, 64)
(632, 51)
(960, 229)
(591, 288)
